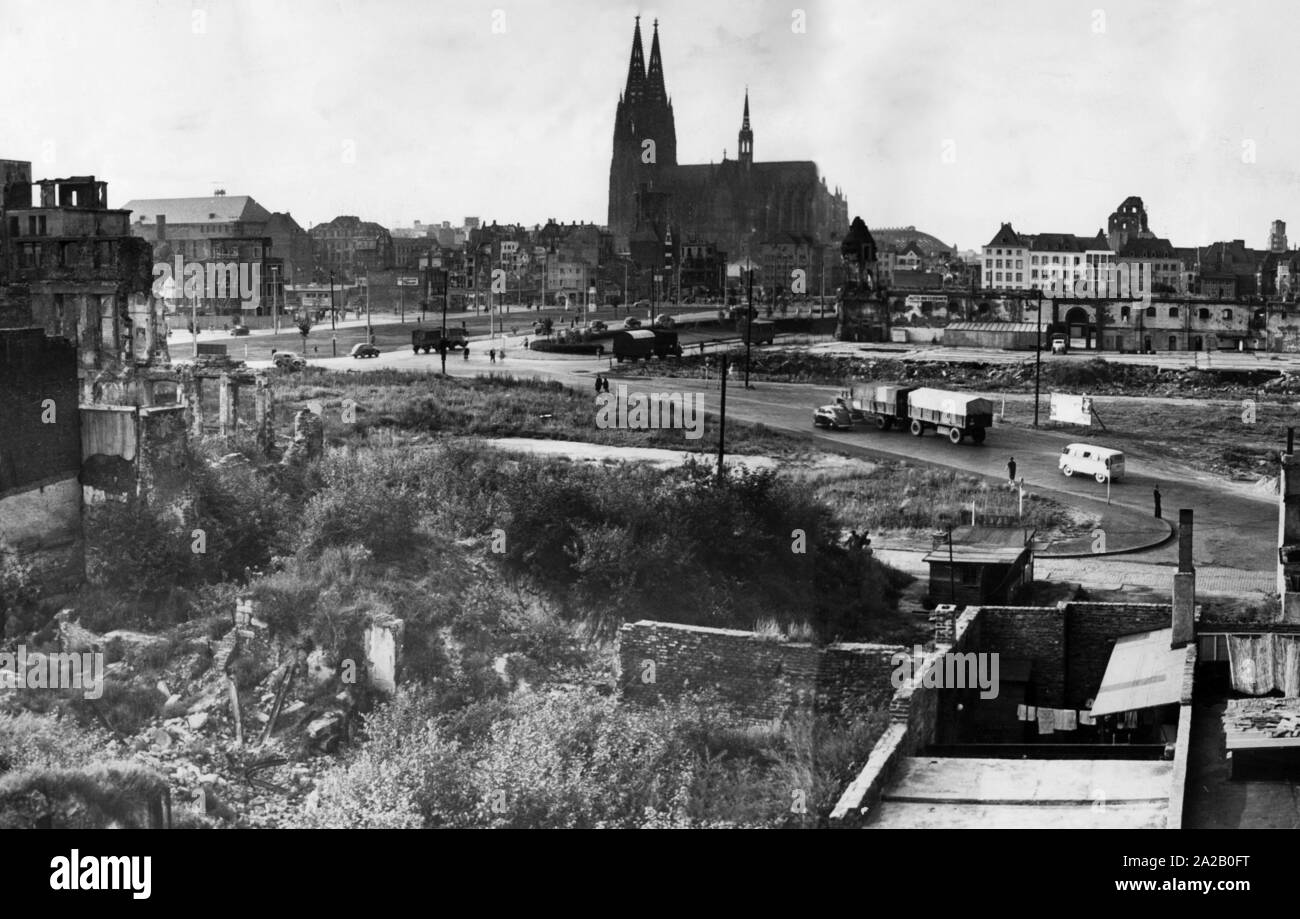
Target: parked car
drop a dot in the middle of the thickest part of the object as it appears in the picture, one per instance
(631, 322)
(287, 360)
(362, 349)
(1059, 344)
(239, 330)
(1101, 463)
(835, 417)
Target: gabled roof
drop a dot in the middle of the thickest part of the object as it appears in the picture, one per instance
(1006, 237)
(212, 209)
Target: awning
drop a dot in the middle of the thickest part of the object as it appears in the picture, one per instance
(1143, 672)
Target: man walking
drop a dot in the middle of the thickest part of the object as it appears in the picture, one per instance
(1156, 495)
(492, 356)
(599, 384)
(1011, 470)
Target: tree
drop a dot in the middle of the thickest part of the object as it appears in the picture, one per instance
(304, 328)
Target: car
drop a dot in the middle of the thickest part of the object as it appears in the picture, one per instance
(1102, 463)
(597, 326)
(287, 360)
(835, 417)
(362, 349)
(631, 322)
(1059, 344)
(641, 305)
(663, 321)
(239, 330)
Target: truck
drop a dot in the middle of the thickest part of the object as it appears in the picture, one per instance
(666, 343)
(956, 415)
(634, 345)
(427, 340)
(884, 405)
(758, 332)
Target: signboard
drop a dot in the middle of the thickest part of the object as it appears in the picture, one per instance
(1069, 409)
(408, 281)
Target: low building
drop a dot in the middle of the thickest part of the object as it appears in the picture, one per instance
(970, 565)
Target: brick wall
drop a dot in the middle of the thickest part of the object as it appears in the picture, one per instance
(1032, 633)
(1090, 635)
(763, 680)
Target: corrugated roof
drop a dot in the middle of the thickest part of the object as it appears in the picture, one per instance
(1143, 672)
(213, 209)
(992, 327)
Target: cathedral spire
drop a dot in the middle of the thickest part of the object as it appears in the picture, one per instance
(636, 68)
(655, 91)
(746, 155)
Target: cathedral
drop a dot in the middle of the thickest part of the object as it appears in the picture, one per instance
(737, 204)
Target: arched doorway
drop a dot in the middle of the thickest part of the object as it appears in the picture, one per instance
(1080, 328)
(1173, 342)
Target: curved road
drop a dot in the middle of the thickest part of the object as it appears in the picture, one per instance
(1236, 526)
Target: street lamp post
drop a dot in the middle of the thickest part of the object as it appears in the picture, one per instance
(333, 311)
(275, 308)
(749, 323)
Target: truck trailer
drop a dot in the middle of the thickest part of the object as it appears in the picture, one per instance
(883, 405)
(634, 345)
(427, 340)
(953, 414)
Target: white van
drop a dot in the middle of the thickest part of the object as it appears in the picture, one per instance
(1101, 463)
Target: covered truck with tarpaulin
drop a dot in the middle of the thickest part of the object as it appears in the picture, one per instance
(956, 415)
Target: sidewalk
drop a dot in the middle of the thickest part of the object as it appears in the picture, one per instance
(1103, 573)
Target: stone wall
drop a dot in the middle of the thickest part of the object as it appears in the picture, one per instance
(764, 680)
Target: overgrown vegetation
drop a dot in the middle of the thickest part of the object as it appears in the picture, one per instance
(579, 759)
(510, 573)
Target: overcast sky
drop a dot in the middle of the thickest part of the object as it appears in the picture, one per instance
(949, 116)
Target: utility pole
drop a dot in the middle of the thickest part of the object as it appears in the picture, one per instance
(446, 296)
(275, 311)
(370, 337)
(722, 416)
(1038, 354)
(332, 310)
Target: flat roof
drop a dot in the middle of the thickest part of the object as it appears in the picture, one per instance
(957, 792)
(1143, 672)
(982, 545)
(1100, 451)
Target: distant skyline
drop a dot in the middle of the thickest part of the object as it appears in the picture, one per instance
(953, 117)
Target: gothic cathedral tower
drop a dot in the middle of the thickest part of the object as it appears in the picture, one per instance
(645, 137)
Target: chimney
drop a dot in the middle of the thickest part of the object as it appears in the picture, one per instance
(1184, 624)
(161, 220)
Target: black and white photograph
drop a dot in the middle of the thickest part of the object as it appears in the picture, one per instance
(846, 414)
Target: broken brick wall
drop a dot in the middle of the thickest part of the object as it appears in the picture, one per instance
(40, 456)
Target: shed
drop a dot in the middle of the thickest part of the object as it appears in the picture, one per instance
(982, 565)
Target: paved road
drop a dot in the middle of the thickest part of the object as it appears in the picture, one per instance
(1235, 526)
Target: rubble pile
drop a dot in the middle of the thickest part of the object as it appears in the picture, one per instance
(1274, 717)
(241, 724)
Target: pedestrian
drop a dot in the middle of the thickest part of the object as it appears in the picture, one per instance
(600, 384)
(1011, 469)
(605, 382)
(492, 356)
(1156, 496)
(466, 353)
